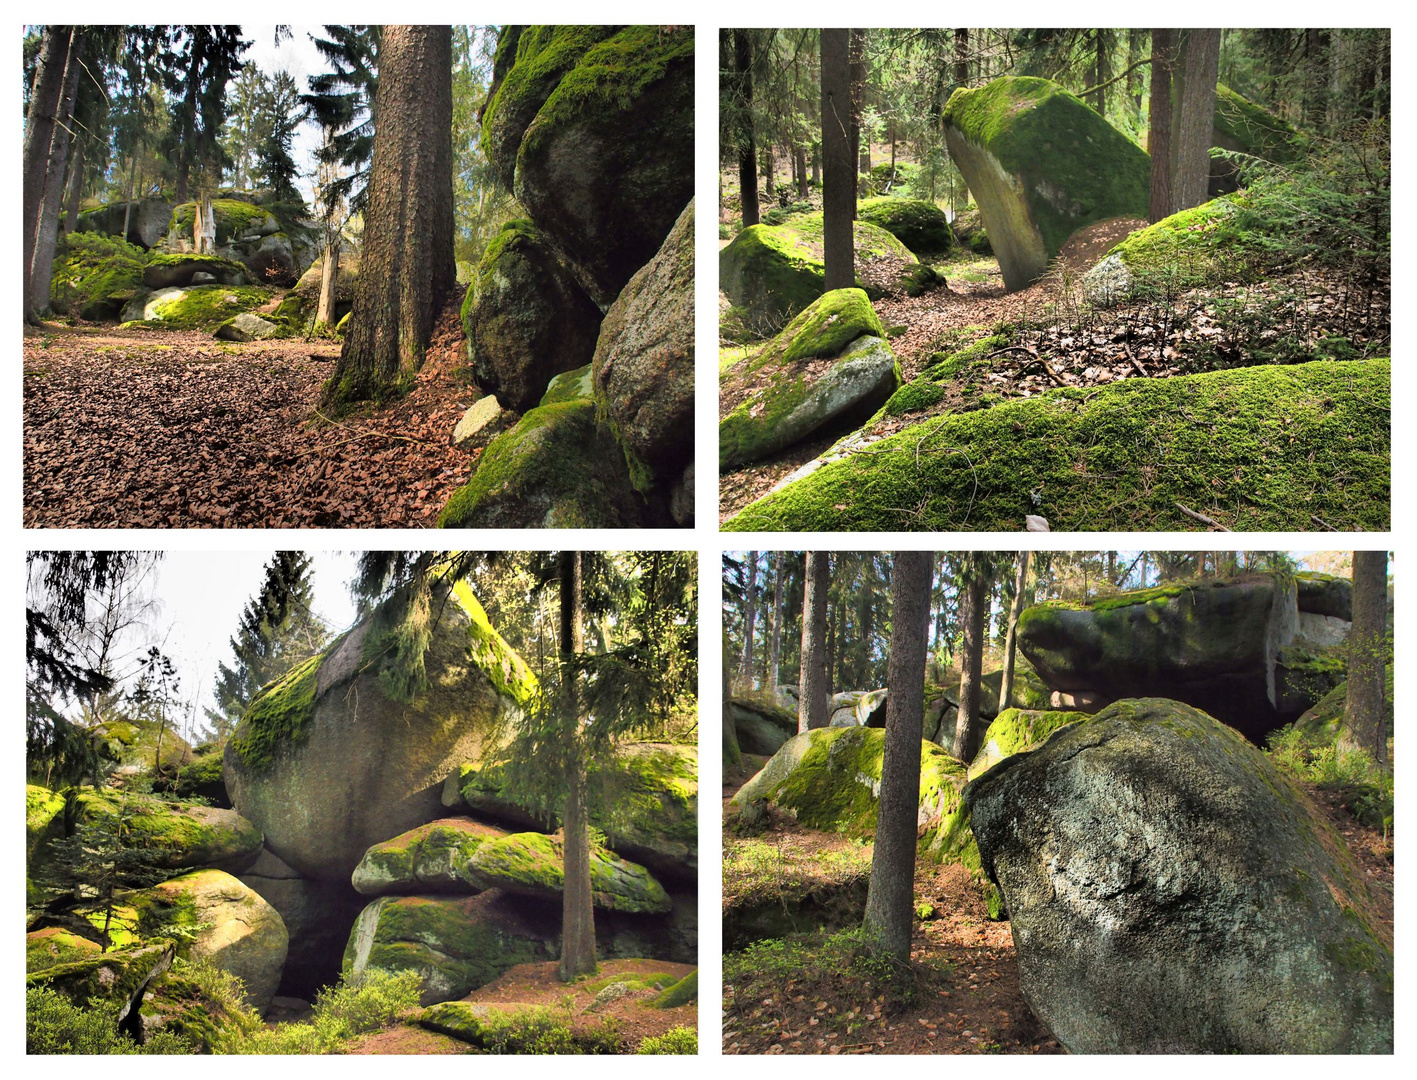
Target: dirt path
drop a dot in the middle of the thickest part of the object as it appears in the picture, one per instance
(173, 429)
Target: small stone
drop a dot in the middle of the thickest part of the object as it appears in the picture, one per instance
(483, 419)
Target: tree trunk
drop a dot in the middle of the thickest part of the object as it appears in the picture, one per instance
(1006, 682)
(1364, 714)
(46, 96)
(812, 679)
(1193, 118)
(838, 166)
(801, 155)
(973, 610)
(329, 278)
(128, 205)
(75, 192)
(860, 147)
(889, 916)
(577, 917)
(732, 754)
(1134, 72)
(1101, 70)
(769, 171)
(1159, 141)
(775, 648)
(406, 268)
(47, 233)
(747, 152)
(961, 61)
(750, 604)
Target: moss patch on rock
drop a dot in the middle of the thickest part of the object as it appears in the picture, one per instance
(532, 864)
(425, 859)
(178, 835)
(1016, 730)
(502, 664)
(203, 307)
(1257, 448)
(235, 218)
(277, 716)
(919, 225)
(95, 275)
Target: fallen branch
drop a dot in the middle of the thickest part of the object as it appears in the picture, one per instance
(1135, 362)
(1201, 518)
(369, 432)
(1321, 522)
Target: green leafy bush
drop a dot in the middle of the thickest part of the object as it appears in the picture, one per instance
(680, 1040)
(365, 1004)
(547, 1031)
(54, 1025)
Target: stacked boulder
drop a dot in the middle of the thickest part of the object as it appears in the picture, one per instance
(592, 128)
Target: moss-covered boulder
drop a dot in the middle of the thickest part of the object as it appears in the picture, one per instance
(423, 860)
(773, 272)
(1263, 447)
(196, 307)
(530, 864)
(1322, 723)
(247, 327)
(526, 318)
(1222, 645)
(1041, 165)
(830, 779)
(165, 271)
(141, 745)
(176, 835)
(44, 817)
(334, 757)
(858, 708)
(1015, 730)
(647, 804)
(95, 276)
(644, 364)
(919, 225)
(559, 467)
(114, 980)
(1324, 594)
(202, 777)
(54, 945)
(455, 944)
(762, 726)
(147, 221)
(1148, 856)
(303, 301)
(600, 125)
(829, 368)
(236, 219)
(1248, 128)
(224, 922)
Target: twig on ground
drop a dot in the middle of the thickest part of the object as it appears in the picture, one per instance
(377, 434)
(1321, 522)
(1201, 518)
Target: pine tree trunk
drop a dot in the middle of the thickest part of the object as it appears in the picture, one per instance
(46, 97)
(801, 155)
(1193, 118)
(75, 192)
(406, 268)
(775, 647)
(889, 917)
(732, 755)
(973, 609)
(750, 604)
(812, 679)
(961, 61)
(1134, 72)
(577, 916)
(838, 167)
(128, 205)
(1159, 141)
(1364, 713)
(860, 146)
(329, 278)
(47, 233)
(1101, 71)
(1006, 682)
(747, 151)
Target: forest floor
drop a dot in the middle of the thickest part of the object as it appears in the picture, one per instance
(174, 429)
(526, 985)
(1058, 341)
(812, 994)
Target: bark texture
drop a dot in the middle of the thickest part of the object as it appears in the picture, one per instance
(47, 231)
(747, 150)
(812, 681)
(974, 607)
(838, 163)
(45, 97)
(1159, 141)
(1193, 117)
(577, 915)
(1006, 682)
(1364, 712)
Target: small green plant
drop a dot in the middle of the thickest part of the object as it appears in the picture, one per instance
(55, 1025)
(680, 1040)
(367, 1003)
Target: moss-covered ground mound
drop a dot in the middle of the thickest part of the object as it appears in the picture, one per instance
(1260, 448)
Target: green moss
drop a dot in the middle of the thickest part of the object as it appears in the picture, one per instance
(95, 275)
(42, 814)
(235, 218)
(929, 387)
(1073, 166)
(175, 834)
(490, 652)
(919, 225)
(532, 863)
(278, 715)
(205, 307)
(1256, 448)
(680, 993)
(1016, 730)
(1254, 129)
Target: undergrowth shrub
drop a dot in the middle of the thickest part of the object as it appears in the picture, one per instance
(680, 1040)
(55, 1025)
(367, 1003)
(1367, 787)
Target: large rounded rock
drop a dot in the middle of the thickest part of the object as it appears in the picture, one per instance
(1041, 165)
(176, 835)
(165, 271)
(605, 164)
(95, 276)
(328, 763)
(147, 220)
(829, 368)
(115, 979)
(1171, 891)
(919, 225)
(526, 318)
(762, 728)
(1015, 730)
(1217, 644)
(1243, 126)
(424, 860)
(531, 864)
(644, 361)
(233, 927)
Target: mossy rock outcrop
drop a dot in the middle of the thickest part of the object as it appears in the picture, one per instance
(195, 307)
(427, 859)
(141, 745)
(595, 128)
(784, 393)
(202, 777)
(1041, 165)
(175, 835)
(530, 864)
(1015, 730)
(115, 980)
(147, 221)
(762, 727)
(858, 708)
(165, 271)
(1264, 447)
(53, 946)
(773, 272)
(1148, 855)
(247, 234)
(334, 757)
(919, 225)
(1246, 127)
(644, 364)
(1322, 723)
(526, 318)
(1225, 646)
(235, 219)
(230, 926)
(95, 276)
(559, 467)
(44, 817)
(648, 807)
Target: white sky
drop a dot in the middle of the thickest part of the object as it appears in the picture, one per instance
(298, 56)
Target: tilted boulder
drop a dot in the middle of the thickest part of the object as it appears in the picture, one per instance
(644, 363)
(1221, 645)
(117, 979)
(530, 864)
(526, 318)
(595, 128)
(1171, 891)
(423, 860)
(1041, 165)
(788, 392)
(328, 763)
